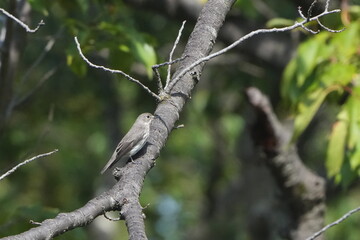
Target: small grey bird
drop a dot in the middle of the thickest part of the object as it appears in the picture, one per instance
(132, 142)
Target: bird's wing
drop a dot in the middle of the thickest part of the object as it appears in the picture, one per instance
(124, 147)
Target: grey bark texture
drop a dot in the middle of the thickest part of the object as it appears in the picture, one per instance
(304, 191)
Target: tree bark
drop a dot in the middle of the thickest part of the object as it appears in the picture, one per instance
(124, 195)
(303, 190)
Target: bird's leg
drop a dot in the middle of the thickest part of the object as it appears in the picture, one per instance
(132, 160)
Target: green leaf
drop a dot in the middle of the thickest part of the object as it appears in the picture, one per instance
(355, 157)
(298, 75)
(347, 42)
(288, 88)
(346, 175)
(307, 110)
(336, 149)
(337, 73)
(146, 54)
(310, 55)
(352, 106)
(77, 65)
(353, 144)
(355, 10)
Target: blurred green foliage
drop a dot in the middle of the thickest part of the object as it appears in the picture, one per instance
(326, 69)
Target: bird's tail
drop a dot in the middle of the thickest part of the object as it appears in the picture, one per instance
(110, 163)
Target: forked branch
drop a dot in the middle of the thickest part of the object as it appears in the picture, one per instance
(251, 34)
(22, 24)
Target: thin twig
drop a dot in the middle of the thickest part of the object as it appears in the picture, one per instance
(309, 30)
(168, 77)
(329, 29)
(170, 63)
(345, 216)
(300, 13)
(114, 71)
(327, 5)
(49, 45)
(34, 222)
(179, 126)
(22, 24)
(310, 10)
(158, 77)
(26, 162)
(47, 48)
(237, 42)
(18, 100)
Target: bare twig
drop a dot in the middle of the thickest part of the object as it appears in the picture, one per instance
(242, 39)
(310, 10)
(25, 162)
(18, 100)
(179, 126)
(114, 71)
(34, 222)
(158, 78)
(345, 216)
(22, 24)
(49, 45)
(156, 67)
(327, 5)
(321, 25)
(300, 13)
(309, 30)
(169, 63)
(168, 77)
(329, 29)
(157, 74)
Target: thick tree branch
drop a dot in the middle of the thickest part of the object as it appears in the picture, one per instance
(124, 195)
(306, 194)
(303, 189)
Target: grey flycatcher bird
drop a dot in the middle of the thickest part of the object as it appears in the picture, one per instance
(132, 142)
